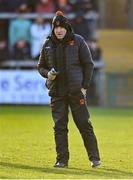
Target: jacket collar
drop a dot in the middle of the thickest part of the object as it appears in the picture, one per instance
(68, 37)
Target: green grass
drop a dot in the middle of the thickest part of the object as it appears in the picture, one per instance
(27, 144)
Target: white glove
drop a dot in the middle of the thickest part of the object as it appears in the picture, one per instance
(83, 91)
(52, 74)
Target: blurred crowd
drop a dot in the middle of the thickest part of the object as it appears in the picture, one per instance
(21, 38)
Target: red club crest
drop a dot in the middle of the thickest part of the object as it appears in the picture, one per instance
(82, 101)
(71, 42)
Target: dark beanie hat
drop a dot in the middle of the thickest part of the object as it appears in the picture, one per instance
(61, 20)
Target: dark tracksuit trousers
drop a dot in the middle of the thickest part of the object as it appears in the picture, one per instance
(81, 117)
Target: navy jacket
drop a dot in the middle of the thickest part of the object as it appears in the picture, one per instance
(73, 61)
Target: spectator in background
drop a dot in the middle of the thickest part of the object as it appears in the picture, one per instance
(95, 50)
(19, 29)
(63, 5)
(76, 5)
(129, 11)
(32, 5)
(80, 26)
(13, 5)
(90, 4)
(90, 8)
(4, 53)
(39, 32)
(2, 6)
(96, 53)
(21, 50)
(3, 29)
(45, 6)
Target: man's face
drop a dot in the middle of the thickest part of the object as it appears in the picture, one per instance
(60, 32)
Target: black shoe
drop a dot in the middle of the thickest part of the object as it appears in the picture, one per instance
(95, 164)
(61, 165)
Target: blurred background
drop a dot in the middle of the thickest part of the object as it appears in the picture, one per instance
(106, 25)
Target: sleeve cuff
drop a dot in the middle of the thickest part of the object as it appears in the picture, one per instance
(85, 85)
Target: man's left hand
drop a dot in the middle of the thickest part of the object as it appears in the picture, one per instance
(83, 91)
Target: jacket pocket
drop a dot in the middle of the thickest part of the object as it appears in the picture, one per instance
(49, 56)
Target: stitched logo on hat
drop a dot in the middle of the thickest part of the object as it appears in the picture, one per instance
(57, 23)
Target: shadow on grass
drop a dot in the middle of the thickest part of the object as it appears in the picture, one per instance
(101, 172)
(4, 177)
(106, 172)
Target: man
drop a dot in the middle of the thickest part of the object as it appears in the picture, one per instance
(66, 62)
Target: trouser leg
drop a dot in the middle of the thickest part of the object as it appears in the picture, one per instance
(82, 120)
(60, 116)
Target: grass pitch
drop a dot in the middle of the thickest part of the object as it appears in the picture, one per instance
(27, 147)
